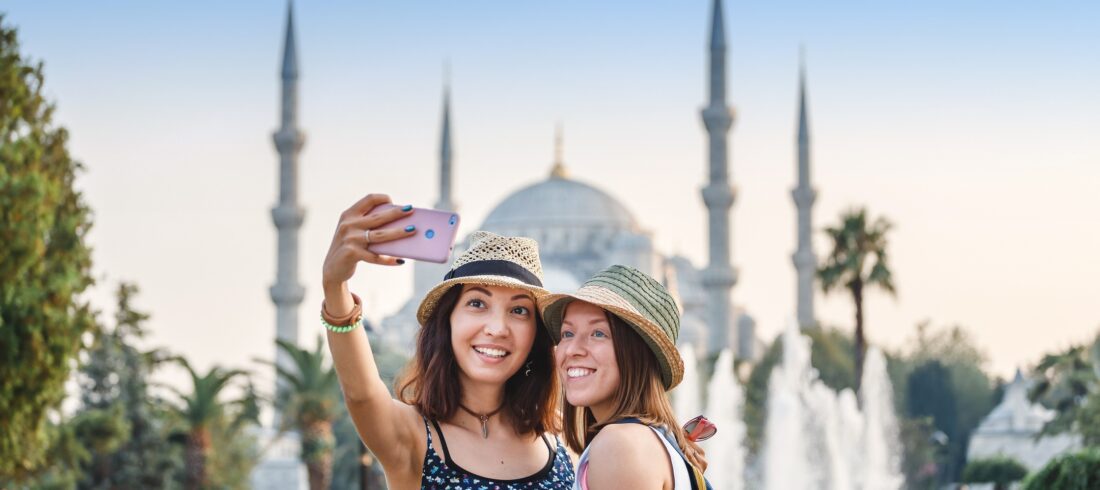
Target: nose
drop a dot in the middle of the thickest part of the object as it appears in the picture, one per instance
(497, 326)
(577, 347)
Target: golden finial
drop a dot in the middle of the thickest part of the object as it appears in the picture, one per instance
(558, 171)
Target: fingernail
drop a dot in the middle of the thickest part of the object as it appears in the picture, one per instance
(407, 208)
(400, 261)
(410, 228)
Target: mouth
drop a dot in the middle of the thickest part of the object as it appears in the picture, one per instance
(578, 372)
(492, 352)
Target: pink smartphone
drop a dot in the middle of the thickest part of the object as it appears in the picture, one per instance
(435, 235)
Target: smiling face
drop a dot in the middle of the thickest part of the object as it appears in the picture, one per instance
(586, 359)
(492, 330)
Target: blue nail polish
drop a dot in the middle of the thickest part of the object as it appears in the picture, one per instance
(410, 228)
(407, 208)
(400, 261)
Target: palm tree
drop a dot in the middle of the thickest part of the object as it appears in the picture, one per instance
(856, 262)
(310, 404)
(201, 410)
(1063, 383)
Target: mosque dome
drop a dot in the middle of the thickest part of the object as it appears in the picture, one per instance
(559, 202)
(580, 228)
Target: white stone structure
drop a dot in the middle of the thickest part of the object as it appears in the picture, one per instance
(280, 467)
(1010, 430)
(582, 229)
(805, 261)
(287, 293)
(720, 275)
(428, 274)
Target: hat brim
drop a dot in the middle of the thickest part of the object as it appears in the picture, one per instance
(553, 312)
(431, 300)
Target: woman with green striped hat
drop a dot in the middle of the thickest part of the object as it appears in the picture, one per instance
(616, 355)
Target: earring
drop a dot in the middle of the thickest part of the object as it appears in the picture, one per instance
(528, 371)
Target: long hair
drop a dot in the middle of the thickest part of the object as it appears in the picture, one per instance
(640, 394)
(430, 382)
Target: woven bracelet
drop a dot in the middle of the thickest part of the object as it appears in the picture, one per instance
(345, 323)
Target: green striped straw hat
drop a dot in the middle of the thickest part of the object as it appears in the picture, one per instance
(640, 301)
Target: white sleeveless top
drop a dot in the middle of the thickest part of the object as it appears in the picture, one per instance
(681, 477)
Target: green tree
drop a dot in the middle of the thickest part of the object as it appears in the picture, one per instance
(67, 456)
(114, 378)
(857, 261)
(1067, 382)
(943, 377)
(44, 262)
(922, 448)
(310, 405)
(931, 393)
(234, 450)
(207, 422)
(1000, 471)
(1075, 471)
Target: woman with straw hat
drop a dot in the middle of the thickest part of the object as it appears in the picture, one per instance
(616, 353)
(478, 399)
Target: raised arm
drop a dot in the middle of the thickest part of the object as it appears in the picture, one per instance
(390, 428)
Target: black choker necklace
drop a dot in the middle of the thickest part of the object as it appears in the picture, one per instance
(483, 417)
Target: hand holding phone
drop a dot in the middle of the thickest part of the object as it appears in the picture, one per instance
(436, 231)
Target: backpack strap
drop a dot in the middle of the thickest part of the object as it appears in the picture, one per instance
(698, 481)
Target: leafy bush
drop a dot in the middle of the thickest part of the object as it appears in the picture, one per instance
(1000, 471)
(1075, 471)
(44, 262)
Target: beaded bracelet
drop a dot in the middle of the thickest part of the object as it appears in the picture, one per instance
(339, 329)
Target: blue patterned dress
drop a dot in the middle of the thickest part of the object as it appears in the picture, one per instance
(443, 474)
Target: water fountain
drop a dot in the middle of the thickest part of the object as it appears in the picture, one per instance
(816, 438)
(726, 450)
(686, 399)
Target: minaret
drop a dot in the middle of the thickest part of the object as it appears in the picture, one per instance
(428, 274)
(720, 275)
(446, 200)
(287, 292)
(805, 262)
(558, 171)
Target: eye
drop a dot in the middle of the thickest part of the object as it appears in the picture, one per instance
(565, 334)
(521, 310)
(475, 303)
(599, 333)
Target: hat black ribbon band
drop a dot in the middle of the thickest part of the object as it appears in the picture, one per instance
(495, 268)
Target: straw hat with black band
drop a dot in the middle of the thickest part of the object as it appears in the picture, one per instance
(640, 301)
(492, 260)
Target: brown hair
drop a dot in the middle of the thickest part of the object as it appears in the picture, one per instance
(640, 394)
(430, 382)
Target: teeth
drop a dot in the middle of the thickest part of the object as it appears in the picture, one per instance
(578, 372)
(491, 352)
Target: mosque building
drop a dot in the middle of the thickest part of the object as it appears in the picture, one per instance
(583, 231)
(1012, 430)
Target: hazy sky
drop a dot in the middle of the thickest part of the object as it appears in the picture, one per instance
(973, 126)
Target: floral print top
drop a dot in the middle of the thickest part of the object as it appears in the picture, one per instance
(441, 473)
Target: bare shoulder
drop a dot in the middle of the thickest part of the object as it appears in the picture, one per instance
(627, 456)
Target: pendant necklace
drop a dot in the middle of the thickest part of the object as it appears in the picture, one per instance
(484, 418)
